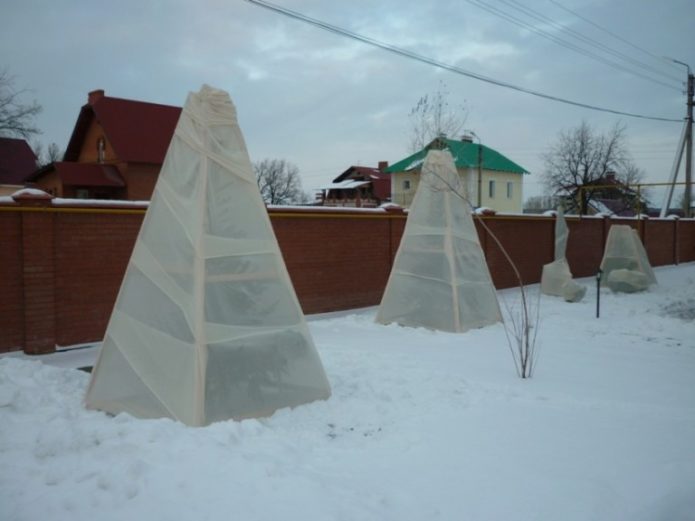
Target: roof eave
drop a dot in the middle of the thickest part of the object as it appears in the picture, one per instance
(72, 151)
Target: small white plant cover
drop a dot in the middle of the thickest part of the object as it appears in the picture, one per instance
(206, 326)
(554, 277)
(440, 279)
(624, 250)
(561, 235)
(557, 274)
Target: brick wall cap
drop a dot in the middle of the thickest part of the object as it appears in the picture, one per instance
(392, 208)
(101, 203)
(32, 196)
(483, 210)
(321, 209)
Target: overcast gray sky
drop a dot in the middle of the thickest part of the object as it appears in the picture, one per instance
(325, 102)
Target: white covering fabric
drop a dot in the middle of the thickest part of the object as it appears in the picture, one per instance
(554, 277)
(624, 250)
(561, 235)
(206, 326)
(557, 274)
(627, 281)
(440, 279)
(573, 292)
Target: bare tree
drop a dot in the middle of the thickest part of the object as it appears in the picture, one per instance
(16, 117)
(583, 158)
(279, 182)
(50, 155)
(433, 116)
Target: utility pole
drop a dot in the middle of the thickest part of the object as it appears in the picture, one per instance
(689, 148)
(688, 142)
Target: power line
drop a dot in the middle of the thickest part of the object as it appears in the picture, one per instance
(586, 39)
(430, 61)
(564, 43)
(607, 31)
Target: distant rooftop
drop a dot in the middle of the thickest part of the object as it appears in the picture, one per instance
(465, 155)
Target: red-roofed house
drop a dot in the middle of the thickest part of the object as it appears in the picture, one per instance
(17, 162)
(358, 186)
(115, 152)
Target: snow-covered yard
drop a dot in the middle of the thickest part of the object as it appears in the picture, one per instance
(422, 425)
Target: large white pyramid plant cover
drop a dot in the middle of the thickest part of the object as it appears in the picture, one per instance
(440, 279)
(206, 326)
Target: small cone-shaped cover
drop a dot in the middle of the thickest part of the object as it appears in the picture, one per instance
(440, 279)
(624, 250)
(206, 326)
(561, 235)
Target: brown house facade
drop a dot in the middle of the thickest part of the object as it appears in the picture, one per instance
(358, 187)
(115, 152)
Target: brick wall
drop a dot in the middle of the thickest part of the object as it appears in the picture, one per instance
(92, 253)
(11, 294)
(62, 265)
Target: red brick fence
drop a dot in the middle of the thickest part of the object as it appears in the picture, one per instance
(62, 261)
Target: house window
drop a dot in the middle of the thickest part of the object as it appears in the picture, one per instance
(82, 193)
(406, 184)
(510, 190)
(491, 189)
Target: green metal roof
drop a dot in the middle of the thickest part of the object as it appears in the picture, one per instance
(465, 155)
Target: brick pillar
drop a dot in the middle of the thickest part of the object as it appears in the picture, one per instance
(38, 272)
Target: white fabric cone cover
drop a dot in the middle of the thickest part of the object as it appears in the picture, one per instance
(206, 326)
(624, 250)
(440, 279)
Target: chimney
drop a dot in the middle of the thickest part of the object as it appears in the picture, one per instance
(95, 96)
(610, 176)
(383, 165)
(467, 138)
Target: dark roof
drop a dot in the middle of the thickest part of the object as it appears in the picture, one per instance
(17, 161)
(381, 181)
(465, 155)
(139, 132)
(83, 174)
(361, 172)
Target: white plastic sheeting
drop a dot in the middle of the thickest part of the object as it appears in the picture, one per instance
(440, 279)
(624, 250)
(627, 281)
(557, 274)
(206, 326)
(561, 235)
(554, 277)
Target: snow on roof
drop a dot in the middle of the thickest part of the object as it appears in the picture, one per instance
(345, 185)
(29, 191)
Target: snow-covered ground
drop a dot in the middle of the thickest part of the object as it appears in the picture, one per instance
(422, 425)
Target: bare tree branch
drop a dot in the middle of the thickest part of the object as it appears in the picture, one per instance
(582, 158)
(279, 182)
(433, 116)
(16, 117)
(521, 330)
